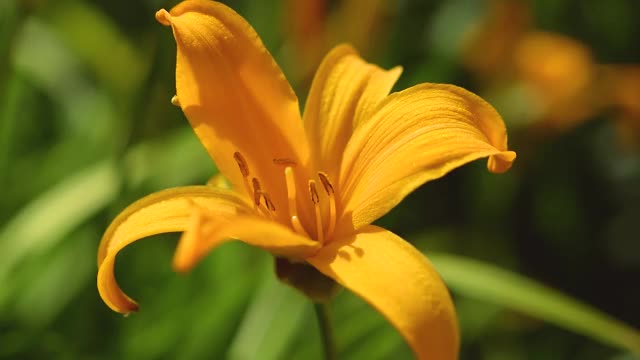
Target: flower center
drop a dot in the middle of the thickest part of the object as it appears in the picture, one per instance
(265, 207)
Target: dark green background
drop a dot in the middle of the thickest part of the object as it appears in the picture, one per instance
(87, 128)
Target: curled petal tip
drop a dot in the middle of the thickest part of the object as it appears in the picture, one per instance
(131, 309)
(501, 162)
(163, 17)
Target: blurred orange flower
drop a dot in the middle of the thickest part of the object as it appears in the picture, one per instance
(563, 83)
(314, 26)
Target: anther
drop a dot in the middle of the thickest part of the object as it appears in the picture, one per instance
(175, 101)
(324, 179)
(314, 192)
(244, 170)
(257, 192)
(268, 202)
(316, 204)
(284, 162)
(328, 187)
(242, 163)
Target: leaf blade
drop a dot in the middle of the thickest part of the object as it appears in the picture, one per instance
(486, 282)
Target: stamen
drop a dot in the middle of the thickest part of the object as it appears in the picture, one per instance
(285, 162)
(244, 170)
(314, 192)
(316, 204)
(291, 197)
(297, 226)
(328, 187)
(257, 193)
(291, 190)
(242, 163)
(267, 201)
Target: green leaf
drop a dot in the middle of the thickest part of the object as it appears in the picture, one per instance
(98, 41)
(51, 216)
(173, 160)
(271, 322)
(489, 283)
(70, 264)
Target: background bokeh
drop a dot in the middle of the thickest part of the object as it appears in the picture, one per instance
(86, 127)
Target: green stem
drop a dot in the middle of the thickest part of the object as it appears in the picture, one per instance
(322, 313)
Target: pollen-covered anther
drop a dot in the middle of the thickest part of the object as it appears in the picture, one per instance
(244, 170)
(268, 203)
(258, 194)
(313, 191)
(242, 163)
(284, 162)
(257, 191)
(328, 188)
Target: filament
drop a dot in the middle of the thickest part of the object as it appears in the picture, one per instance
(328, 188)
(316, 204)
(291, 197)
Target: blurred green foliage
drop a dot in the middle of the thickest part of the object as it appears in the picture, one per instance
(86, 128)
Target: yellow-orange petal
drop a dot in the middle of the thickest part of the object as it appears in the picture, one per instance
(416, 135)
(234, 94)
(344, 93)
(165, 211)
(400, 283)
(205, 233)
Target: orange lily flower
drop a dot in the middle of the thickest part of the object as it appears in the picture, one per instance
(306, 190)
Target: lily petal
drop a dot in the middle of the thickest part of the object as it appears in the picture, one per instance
(165, 211)
(344, 93)
(416, 135)
(206, 233)
(400, 283)
(234, 94)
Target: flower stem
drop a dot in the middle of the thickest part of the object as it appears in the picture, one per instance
(322, 313)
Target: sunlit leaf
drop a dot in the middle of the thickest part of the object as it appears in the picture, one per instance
(115, 60)
(489, 283)
(49, 217)
(271, 322)
(173, 160)
(61, 76)
(70, 264)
